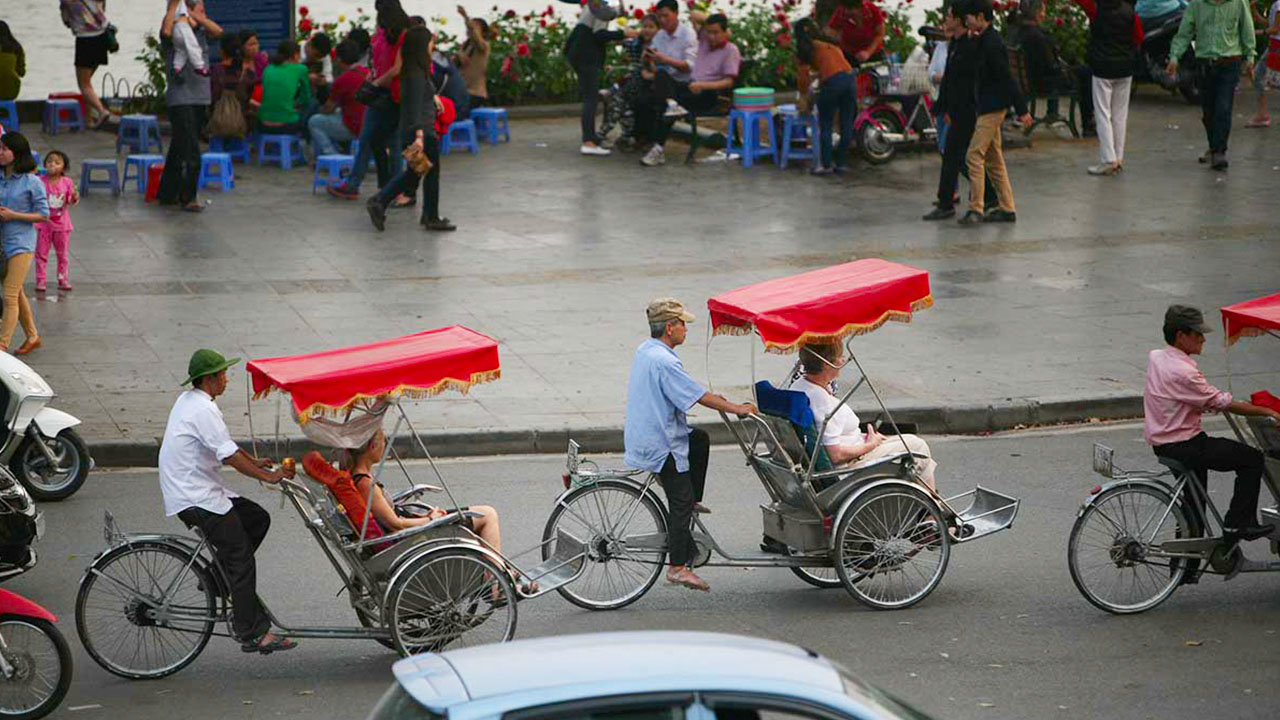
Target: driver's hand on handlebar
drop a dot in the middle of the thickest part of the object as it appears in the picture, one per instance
(746, 409)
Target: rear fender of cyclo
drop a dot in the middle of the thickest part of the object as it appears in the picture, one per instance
(614, 482)
(181, 543)
(15, 604)
(848, 496)
(1152, 483)
(435, 547)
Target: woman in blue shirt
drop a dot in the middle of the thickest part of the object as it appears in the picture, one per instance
(23, 203)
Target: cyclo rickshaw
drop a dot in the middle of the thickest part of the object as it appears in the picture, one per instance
(1136, 537)
(149, 603)
(872, 528)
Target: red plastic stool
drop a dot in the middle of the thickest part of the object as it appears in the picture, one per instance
(153, 181)
(84, 106)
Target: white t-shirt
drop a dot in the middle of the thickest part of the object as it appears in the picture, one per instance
(843, 427)
(681, 45)
(196, 441)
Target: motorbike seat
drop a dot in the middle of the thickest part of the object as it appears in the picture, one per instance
(1177, 467)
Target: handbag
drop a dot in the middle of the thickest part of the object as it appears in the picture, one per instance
(369, 94)
(227, 119)
(113, 45)
(417, 160)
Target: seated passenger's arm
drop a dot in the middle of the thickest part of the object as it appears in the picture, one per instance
(844, 454)
(383, 512)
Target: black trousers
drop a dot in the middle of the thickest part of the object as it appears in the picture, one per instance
(683, 490)
(406, 181)
(235, 537)
(588, 70)
(1203, 453)
(1084, 81)
(666, 87)
(953, 163)
(1217, 98)
(180, 179)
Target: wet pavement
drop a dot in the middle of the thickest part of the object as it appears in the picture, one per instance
(557, 256)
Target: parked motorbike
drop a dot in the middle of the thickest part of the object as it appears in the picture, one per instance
(40, 444)
(35, 660)
(1153, 56)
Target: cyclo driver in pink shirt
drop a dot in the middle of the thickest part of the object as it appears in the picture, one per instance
(1176, 395)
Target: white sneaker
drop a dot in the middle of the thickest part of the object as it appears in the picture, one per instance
(674, 109)
(594, 150)
(655, 156)
(1103, 169)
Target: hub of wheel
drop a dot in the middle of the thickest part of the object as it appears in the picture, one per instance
(138, 613)
(23, 668)
(1127, 552)
(600, 549)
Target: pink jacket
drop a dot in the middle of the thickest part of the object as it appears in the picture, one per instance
(60, 192)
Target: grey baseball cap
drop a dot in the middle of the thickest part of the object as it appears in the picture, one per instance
(1185, 318)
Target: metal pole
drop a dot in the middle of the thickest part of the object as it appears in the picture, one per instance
(248, 404)
(432, 462)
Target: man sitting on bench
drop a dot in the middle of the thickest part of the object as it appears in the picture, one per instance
(842, 437)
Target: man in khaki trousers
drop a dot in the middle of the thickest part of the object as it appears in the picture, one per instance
(996, 92)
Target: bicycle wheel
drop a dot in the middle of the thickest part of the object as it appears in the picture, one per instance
(613, 519)
(142, 613)
(1111, 541)
(41, 663)
(451, 598)
(891, 548)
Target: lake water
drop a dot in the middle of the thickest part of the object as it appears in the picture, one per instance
(51, 48)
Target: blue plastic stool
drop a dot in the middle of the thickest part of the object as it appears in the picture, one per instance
(750, 147)
(216, 168)
(492, 122)
(469, 139)
(284, 149)
(86, 176)
(140, 163)
(331, 169)
(62, 114)
(237, 148)
(9, 115)
(138, 133)
(797, 127)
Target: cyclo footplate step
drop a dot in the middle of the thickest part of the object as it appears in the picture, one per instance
(986, 512)
(564, 566)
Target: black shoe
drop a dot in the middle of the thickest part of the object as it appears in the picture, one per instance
(1205, 158)
(1001, 216)
(940, 213)
(1089, 131)
(1248, 532)
(770, 545)
(439, 225)
(973, 217)
(1219, 161)
(377, 213)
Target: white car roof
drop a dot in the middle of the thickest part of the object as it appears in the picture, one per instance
(710, 660)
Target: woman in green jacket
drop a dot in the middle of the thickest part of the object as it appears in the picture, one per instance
(13, 63)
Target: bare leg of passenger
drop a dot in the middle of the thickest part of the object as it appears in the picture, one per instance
(84, 78)
(487, 527)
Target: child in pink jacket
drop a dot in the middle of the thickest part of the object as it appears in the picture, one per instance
(56, 231)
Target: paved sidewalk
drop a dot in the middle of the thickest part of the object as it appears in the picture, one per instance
(558, 254)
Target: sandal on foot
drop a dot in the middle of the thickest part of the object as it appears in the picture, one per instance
(1256, 123)
(686, 578)
(277, 643)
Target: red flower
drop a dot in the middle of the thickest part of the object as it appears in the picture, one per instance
(1060, 22)
(639, 14)
(545, 13)
(305, 25)
(303, 10)
(522, 50)
(506, 65)
(542, 22)
(692, 5)
(550, 10)
(784, 40)
(509, 14)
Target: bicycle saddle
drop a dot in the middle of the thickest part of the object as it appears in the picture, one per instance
(1177, 467)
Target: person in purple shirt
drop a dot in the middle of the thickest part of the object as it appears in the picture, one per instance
(714, 71)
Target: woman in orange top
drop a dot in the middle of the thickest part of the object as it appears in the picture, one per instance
(837, 92)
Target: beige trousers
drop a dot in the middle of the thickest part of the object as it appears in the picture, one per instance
(16, 307)
(985, 157)
(893, 446)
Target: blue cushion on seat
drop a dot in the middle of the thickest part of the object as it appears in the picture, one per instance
(794, 406)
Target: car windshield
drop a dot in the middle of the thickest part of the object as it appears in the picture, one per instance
(398, 705)
(877, 699)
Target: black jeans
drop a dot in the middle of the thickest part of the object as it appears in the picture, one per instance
(953, 163)
(1217, 98)
(235, 537)
(683, 489)
(181, 177)
(406, 181)
(839, 94)
(1084, 81)
(588, 70)
(666, 87)
(1203, 453)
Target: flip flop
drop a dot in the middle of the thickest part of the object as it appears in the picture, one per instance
(1258, 123)
(280, 643)
(687, 579)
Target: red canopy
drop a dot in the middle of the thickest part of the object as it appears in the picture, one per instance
(423, 364)
(1251, 317)
(827, 304)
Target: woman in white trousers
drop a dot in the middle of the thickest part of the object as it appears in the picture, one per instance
(1115, 34)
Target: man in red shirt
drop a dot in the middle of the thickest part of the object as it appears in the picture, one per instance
(340, 119)
(861, 26)
(1175, 396)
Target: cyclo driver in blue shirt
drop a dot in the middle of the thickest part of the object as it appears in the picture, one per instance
(657, 435)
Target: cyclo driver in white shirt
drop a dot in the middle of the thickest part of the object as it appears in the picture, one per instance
(196, 444)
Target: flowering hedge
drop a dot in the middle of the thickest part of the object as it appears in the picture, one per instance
(1064, 22)
(527, 64)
